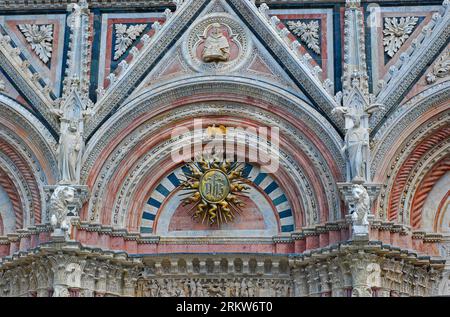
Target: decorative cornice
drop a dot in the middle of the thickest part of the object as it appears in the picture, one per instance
(371, 249)
(108, 4)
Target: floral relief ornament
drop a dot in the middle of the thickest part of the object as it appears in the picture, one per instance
(396, 32)
(441, 69)
(308, 33)
(125, 37)
(40, 38)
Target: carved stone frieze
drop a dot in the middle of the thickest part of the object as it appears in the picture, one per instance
(356, 270)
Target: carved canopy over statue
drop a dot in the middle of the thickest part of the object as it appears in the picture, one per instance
(217, 47)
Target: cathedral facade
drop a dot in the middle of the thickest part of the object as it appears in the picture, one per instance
(241, 148)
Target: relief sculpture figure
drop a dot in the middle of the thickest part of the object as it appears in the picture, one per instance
(217, 48)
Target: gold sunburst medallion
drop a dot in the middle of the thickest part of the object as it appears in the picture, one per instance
(213, 188)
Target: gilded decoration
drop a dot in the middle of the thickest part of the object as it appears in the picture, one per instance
(214, 189)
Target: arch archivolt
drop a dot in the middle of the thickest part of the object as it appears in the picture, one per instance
(172, 95)
(305, 192)
(26, 216)
(410, 157)
(404, 121)
(157, 152)
(27, 154)
(398, 160)
(151, 123)
(426, 164)
(38, 143)
(11, 204)
(424, 189)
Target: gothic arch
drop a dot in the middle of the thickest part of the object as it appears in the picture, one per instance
(139, 134)
(27, 162)
(438, 170)
(400, 160)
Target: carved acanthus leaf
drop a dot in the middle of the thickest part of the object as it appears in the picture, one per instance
(308, 33)
(396, 32)
(441, 69)
(40, 38)
(125, 37)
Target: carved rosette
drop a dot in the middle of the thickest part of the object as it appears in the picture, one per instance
(40, 38)
(308, 33)
(125, 36)
(232, 32)
(396, 32)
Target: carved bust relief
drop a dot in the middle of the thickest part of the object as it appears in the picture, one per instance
(217, 43)
(216, 46)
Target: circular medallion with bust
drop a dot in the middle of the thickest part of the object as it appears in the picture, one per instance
(217, 43)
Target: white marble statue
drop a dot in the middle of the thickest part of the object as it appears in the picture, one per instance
(69, 154)
(217, 47)
(59, 201)
(359, 215)
(356, 143)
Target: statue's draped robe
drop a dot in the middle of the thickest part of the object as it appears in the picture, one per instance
(216, 49)
(356, 141)
(69, 156)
